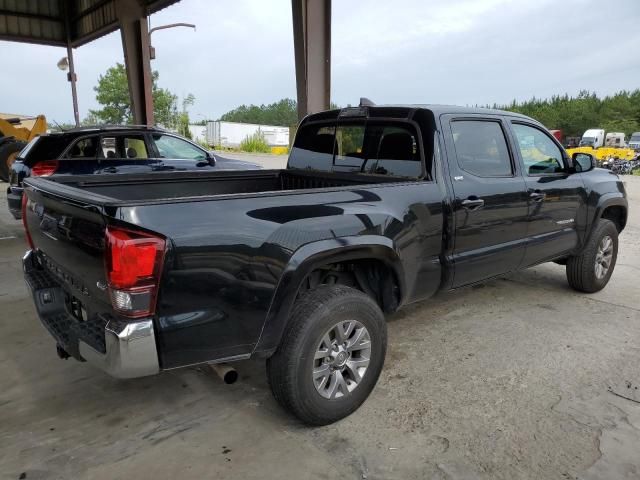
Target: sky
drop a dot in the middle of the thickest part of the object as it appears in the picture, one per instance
(462, 52)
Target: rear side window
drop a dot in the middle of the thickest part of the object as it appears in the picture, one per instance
(481, 148)
(47, 147)
(123, 146)
(108, 147)
(86, 147)
(134, 147)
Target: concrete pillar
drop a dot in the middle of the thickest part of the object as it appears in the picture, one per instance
(132, 17)
(312, 47)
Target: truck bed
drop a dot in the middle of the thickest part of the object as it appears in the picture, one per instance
(156, 187)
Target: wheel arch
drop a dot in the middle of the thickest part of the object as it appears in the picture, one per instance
(313, 256)
(614, 208)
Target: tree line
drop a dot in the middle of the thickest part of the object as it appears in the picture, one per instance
(573, 115)
(619, 112)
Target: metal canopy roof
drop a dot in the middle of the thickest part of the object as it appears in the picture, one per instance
(44, 21)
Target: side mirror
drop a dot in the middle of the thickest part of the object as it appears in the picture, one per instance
(211, 158)
(583, 162)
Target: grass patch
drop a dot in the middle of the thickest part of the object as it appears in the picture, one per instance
(255, 143)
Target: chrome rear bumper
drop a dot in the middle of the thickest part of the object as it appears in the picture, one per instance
(123, 349)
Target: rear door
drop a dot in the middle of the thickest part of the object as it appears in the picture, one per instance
(490, 199)
(556, 196)
(125, 153)
(80, 156)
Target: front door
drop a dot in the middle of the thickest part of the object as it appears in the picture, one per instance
(555, 195)
(490, 204)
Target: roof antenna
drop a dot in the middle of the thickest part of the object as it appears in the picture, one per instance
(365, 102)
(59, 126)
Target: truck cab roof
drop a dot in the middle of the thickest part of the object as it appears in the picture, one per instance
(405, 111)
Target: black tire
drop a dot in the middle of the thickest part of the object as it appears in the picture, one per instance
(581, 269)
(6, 151)
(290, 369)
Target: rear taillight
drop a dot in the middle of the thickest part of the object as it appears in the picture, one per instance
(25, 200)
(133, 262)
(44, 168)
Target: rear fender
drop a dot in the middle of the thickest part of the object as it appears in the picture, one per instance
(310, 257)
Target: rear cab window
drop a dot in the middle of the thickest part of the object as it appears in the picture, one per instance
(364, 146)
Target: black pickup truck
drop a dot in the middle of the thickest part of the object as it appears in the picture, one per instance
(379, 207)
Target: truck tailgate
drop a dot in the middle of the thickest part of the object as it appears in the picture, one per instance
(67, 274)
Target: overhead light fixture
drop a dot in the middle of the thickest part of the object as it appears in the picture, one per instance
(63, 64)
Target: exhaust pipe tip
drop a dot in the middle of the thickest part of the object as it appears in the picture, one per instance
(226, 372)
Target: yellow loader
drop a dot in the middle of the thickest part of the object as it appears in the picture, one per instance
(15, 132)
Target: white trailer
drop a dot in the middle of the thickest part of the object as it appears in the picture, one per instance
(231, 134)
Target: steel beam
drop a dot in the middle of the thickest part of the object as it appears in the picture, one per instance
(312, 49)
(132, 18)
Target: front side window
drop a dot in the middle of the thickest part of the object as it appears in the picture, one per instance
(169, 146)
(86, 147)
(539, 153)
(481, 148)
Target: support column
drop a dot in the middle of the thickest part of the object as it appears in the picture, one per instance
(312, 47)
(132, 17)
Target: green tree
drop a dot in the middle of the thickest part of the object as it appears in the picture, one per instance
(112, 93)
(283, 112)
(183, 117)
(619, 112)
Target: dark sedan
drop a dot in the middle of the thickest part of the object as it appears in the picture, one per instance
(110, 150)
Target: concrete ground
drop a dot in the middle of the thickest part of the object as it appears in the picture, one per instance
(520, 377)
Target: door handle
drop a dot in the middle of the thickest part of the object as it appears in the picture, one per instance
(537, 196)
(110, 170)
(472, 203)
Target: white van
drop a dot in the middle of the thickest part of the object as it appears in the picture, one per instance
(634, 141)
(615, 139)
(594, 137)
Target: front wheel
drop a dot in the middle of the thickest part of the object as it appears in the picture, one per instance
(590, 271)
(331, 355)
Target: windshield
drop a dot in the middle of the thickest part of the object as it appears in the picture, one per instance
(587, 141)
(635, 138)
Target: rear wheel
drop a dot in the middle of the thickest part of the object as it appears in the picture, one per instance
(331, 355)
(8, 153)
(590, 271)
